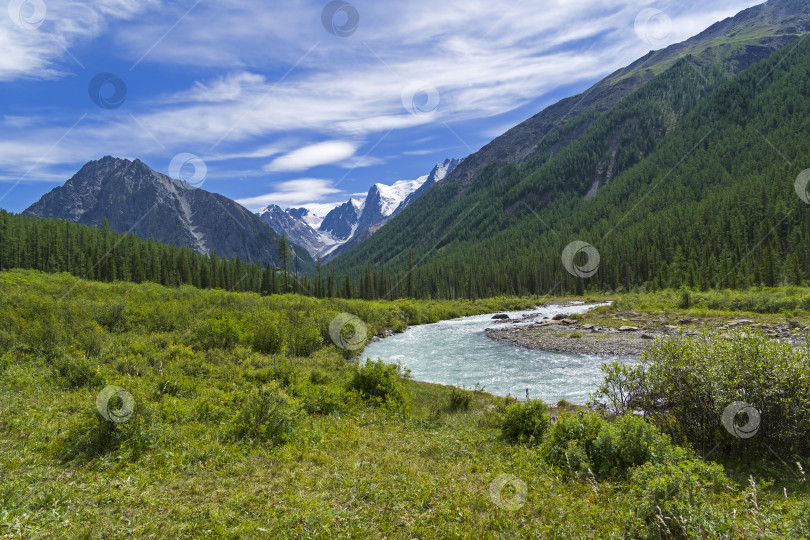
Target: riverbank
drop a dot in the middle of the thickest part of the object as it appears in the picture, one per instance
(608, 331)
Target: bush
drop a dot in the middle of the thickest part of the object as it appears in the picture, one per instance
(216, 334)
(686, 383)
(317, 376)
(627, 442)
(460, 399)
(77, 370)
(267, 414)
(591, 444)
(525, 422)
(672, 500)
(304, 337)
(266, 332)
(381, 382)
(570, 439)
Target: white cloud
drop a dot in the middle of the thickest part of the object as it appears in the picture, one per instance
(36, 52)
(281, 76)
(292, 193)
(323, 153)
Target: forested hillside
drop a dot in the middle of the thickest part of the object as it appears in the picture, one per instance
(697, 188)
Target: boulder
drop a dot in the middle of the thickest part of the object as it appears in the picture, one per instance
(501, 316)
(628, 328)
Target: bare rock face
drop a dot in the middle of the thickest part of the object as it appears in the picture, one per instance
(136, 199)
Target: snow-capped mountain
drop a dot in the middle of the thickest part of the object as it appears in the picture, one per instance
(354, 220)
(295, 225)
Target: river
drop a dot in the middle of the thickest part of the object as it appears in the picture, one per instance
(457, 352)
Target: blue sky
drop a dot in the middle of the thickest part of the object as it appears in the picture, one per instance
(298, 103)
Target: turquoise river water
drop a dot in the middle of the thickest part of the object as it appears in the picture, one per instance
(457, 352)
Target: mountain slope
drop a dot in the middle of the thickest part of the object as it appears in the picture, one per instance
(134, 198)
(735, 43)
(504, 228)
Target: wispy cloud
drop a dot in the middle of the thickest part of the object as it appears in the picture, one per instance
(313, 155)
(293, 193)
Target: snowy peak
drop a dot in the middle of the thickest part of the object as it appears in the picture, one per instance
(392, 196)
(354, 220)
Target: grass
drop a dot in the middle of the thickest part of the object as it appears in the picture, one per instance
(353, 466)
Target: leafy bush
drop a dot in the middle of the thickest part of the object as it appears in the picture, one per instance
(317, 376)
(525, 422)
(686, 383)
(588, 443)
(77, 370)
(266, 332)
(627, 442)
(93, 436)
(671, 500)
(268, 414)
(216, 334)
(381, 382)
(460, 399)
(304, 337)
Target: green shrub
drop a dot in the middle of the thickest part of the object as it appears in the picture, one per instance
(92, 436)
(570, 437)
(575, 335)
(380, 382)
(686, 383)
(317, 376)
(267, 414)
(627, 442)
(327, 400)
(525, 422)
(460, 399)
(77, 370)
(304, 337)
(266, 332)
(589, 443)
(673, 500)
(216, 334)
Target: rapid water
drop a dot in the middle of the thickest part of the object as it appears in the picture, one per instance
(457, 352)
